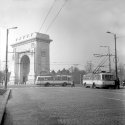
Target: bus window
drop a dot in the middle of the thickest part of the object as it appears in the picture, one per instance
(97, 77)
(50, 78)
(108, 77)
(40, 79)
(64, 77)
(58, 78)
(69, 78)
(87, 77)
(46, 78)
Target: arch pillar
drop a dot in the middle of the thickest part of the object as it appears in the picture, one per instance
(31, 76)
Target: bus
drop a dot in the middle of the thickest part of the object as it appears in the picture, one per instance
(48, 80)
(100, 80)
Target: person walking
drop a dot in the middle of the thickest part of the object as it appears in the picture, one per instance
(73, 84)
(24, 80)
(117, 83)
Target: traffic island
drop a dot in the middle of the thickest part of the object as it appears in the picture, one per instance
(4, 96)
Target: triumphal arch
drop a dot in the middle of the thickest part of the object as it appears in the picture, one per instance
(31, 57)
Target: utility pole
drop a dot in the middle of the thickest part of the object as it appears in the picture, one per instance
(6, 65)
(116, 69)
(6, 69)
(116, 58)
(109, 59)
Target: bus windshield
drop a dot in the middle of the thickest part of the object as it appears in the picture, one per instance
(107, 77)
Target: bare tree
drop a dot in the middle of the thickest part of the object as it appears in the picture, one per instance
(121, 72)
(89, 67)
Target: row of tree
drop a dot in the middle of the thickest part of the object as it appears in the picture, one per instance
(77, 73)
(2, 76)
(74, 71)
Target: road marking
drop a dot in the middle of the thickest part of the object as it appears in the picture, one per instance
(116, 99)
(115, 92)
(106, 91)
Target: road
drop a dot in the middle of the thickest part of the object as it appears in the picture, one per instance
(65, 106)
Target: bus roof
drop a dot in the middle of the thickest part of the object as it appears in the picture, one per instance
(99, 73)
(52, 75)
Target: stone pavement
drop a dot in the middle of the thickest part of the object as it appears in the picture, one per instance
(4, 95)
(65, 106)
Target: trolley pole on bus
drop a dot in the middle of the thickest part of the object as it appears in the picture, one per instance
(109, 55)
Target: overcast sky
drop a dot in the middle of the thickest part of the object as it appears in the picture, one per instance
(77, 33)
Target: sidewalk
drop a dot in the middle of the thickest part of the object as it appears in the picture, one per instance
(4, 95)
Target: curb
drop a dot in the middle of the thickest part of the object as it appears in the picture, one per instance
(4, 102)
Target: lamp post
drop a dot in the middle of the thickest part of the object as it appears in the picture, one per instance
(6, 66)
(116, 69)
(109, 57)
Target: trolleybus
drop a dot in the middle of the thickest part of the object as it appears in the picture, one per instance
(48, 80)
(100, 80)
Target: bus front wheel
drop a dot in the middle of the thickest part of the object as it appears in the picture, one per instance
(64, 84)
(47, 84)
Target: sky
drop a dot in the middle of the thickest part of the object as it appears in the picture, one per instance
(77, 32)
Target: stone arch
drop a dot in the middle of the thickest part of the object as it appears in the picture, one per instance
(24, 68)
(30, 51)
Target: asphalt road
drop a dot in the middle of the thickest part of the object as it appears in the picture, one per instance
(65, 106)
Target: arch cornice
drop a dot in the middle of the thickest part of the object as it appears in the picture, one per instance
(37, 37)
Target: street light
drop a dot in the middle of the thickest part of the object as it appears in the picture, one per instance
(109, 57)
(6, 67)
(116, 70)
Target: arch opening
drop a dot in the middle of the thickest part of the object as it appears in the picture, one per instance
(24, 69)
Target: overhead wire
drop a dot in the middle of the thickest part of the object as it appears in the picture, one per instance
(56, 16)
(100, 64)
(54, 63)
(52, 6)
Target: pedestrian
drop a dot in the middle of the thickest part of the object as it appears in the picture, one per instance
(117, 83)
(73, 84)
(24, 80)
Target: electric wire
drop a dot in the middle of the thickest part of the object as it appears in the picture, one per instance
(47, 14)
(56, 16)
(100, 65)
